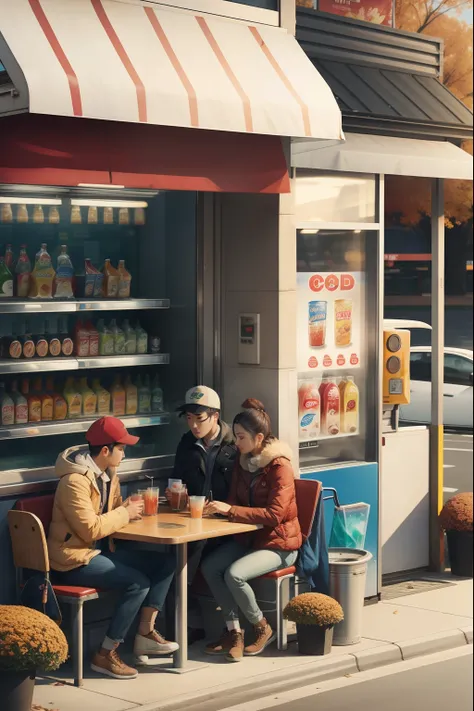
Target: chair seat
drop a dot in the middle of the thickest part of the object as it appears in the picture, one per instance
(280, 573)
(74, 591)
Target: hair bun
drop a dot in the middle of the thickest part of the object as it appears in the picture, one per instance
(252, 404)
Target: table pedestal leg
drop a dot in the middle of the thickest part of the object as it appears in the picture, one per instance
(181, 619)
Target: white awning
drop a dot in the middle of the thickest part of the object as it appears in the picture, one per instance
(361, 153)
(143, 62)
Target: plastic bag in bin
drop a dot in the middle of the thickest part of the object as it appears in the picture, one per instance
(349, 526)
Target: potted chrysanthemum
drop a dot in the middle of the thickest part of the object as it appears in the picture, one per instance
(29, 641)
(315, 616)
(456, 519)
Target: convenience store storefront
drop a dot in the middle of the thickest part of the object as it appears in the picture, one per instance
(115, 160)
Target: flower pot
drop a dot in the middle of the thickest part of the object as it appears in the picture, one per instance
(460, 552)
(16, 690)
(314, 640)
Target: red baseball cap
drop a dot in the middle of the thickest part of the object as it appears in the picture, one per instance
(109, 430)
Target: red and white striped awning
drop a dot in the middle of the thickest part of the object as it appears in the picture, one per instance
(125, 60)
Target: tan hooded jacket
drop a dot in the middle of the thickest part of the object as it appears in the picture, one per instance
(77, 523)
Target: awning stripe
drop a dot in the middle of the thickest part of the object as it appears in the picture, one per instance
(228, 70)
(177, 66)
(281, 74)
(124, 58)
(60, 56)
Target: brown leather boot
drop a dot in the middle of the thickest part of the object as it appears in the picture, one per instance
(236, 651)
(222, 646)
(264, 635)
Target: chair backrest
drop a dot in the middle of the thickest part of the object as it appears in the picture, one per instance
(308, 492)
(40, 506)
(30, 549)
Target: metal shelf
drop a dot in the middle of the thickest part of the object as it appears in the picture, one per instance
(47, 365)
(44, 429)
(22, 306)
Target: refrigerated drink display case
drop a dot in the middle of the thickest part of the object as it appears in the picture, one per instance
(120, 267)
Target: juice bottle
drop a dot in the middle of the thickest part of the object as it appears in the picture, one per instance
(22, 214)
(6, 212)
(93, 339)
(9, 258)
(28, 344)
(42, 276)
(73, 399)
(13, 347)
(38, 215)
(131, 397)
(144, 396)
(94, 280)
(81, 340)
(142, 339)
(7, 407)
(34, 402)
(309, 411)
(59, 402)
(21, 405)
(349, 406)
(130, 337)
(89, 398)
(23, 273)
(111, 280)
(124, 281)
(106, 339)
(67, 344)
(157, 404)
(53, 215)
(64, 276)
(119, 338)
(41, 343)
(330, 409)
(117, 393)
(103, 398)
(6, 280)
(46, 400)
(54, 342)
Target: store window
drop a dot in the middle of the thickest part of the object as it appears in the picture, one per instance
(337, 197)
(97, 316)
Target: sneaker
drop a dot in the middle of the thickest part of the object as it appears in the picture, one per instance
(222, 646)
(264, 636)
(109, 663)
(153, 643)
(236, 651)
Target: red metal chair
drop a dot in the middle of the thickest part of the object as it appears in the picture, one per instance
(308, 493)
(29, 524)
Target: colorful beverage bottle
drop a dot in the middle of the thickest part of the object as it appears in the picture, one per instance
(118, 398)
(23, 274)
(142, 339)
(28, 343)
(106, 339)
(330, 409)
(125, 281)
(89, 398)
(59, 402)
(111, 280)
(94, 339)
(82, 340)
(157, 404)
(131, 397)
(119, 338)
(349, 406)
(21, 404)
(144, 397)
(317, 315)
(6, 280)
(103, 398)
(9, 258)
(67, 344)
(93, 280)
(130, 338)
(343, 322)
(73, 398)
(309, 411)
(46, 400)
(34, 402)
(41, 343)
(42, 276)
(64, 276)
(54, 342)
(7, 407)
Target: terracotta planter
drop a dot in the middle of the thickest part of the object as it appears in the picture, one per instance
(314, 640)
(460, 552)
(16, 690)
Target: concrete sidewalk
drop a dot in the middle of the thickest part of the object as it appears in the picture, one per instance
(398, 629)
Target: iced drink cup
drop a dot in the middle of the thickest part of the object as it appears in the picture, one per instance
(196, 506)
(317, 315)
(178, 500)
(151, 501)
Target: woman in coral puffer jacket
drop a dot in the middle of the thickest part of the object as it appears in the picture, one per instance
(262, 493)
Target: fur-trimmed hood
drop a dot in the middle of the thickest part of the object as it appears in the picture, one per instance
(273, 450)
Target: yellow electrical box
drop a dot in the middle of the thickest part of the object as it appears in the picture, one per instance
(396, 367)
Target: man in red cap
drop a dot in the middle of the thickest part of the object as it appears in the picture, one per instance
(88, 510)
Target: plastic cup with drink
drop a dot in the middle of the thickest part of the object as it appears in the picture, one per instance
(150, 498)
(196, 506)
(178, 494)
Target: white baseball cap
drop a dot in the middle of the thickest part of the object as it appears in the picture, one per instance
(199, 399)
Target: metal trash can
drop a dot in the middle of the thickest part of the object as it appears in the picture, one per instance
(347, 576)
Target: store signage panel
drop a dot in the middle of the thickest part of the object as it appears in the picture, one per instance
(379, 12)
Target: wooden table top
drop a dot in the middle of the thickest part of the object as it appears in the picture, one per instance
(174, 528)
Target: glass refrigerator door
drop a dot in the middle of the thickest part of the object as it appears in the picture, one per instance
(337, 344)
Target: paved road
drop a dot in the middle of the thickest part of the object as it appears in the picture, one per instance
(458, 464)
(446, 684)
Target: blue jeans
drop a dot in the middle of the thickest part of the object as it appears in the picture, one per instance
(227, 570)
(143, 578)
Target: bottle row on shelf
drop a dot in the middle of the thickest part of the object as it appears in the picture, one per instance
(72, 399)
(91, 215)
(18, 277)
(328, 408)
(87, 340)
